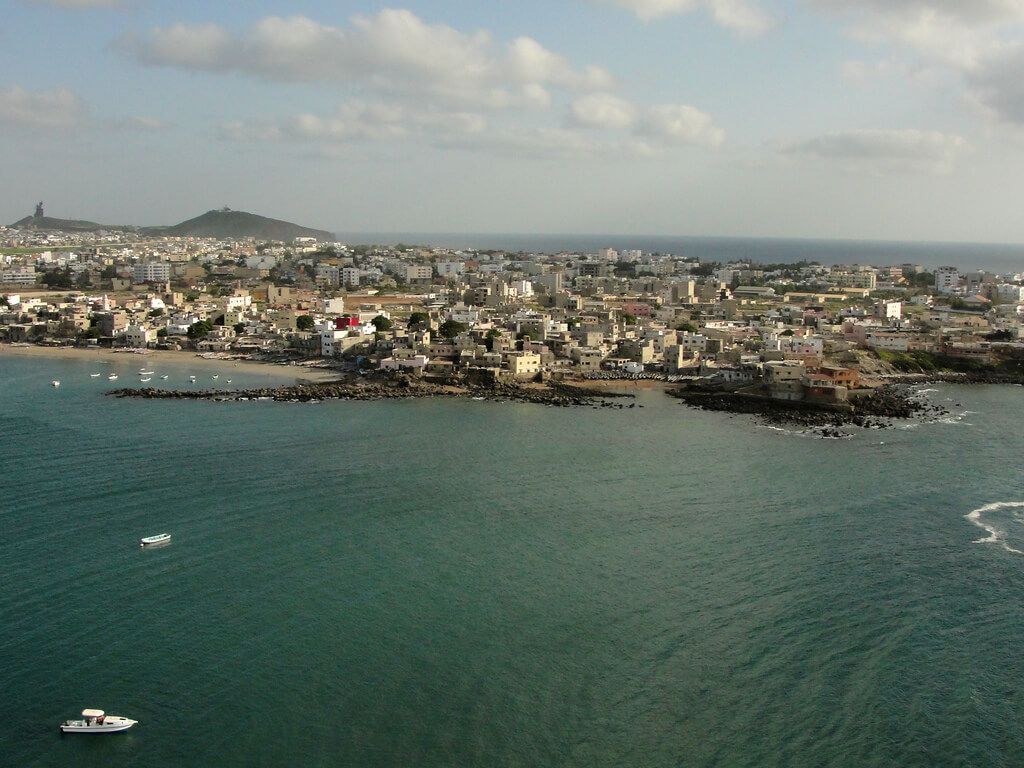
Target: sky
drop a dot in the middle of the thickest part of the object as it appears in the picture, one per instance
(851, 119)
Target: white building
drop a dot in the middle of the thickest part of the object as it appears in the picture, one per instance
(946, 279)
(19, 276)
(450, 268)
(152, 272)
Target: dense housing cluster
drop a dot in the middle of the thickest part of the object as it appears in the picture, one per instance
(795, 330)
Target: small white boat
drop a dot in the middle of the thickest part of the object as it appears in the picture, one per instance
(111, 377)
(144, 378)
(149, 541)
(55, 383)
(94, 375)
(164, 376)
(216, 376)
(97, 721)
(145, 373)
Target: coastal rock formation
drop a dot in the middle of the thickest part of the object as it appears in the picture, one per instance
(390, 387)
(872, 408)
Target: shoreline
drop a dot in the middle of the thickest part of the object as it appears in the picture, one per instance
(169, 358)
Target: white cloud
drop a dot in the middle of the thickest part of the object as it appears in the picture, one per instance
(394, 51)
(997, 84)
(977, 40)
(56, 109)
(602, 110)
(874, 150)
(358, 121)
(951, 32)
(744, 17)
(681, 124)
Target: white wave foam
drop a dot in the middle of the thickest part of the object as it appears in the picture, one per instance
(995, 534)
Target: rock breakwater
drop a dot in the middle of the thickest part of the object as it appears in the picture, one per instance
(390, 388)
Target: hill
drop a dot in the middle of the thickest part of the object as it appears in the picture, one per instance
(223, 223)
(238, 224)
(64, 225)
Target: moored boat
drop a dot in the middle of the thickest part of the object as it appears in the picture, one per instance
(55, 383)
(97, 721)
(111, 377)
(149, 541)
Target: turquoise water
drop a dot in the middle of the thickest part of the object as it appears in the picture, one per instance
(461, 583)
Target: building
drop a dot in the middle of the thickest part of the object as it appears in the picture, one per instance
(152, 272)
(946, 279)
(523, 364)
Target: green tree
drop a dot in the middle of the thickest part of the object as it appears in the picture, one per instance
(381, 323)
(305, 322)
(156, 312)
(628, 319)
(200, 329)
(419, 320)
(109, 272)
(449, 329)
(687, 328)
(161, 333)
(239, 328)
(58, 278)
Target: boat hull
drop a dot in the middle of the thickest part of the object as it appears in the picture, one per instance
(151, 541)
(110, 724)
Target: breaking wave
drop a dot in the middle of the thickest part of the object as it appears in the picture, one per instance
(1003, 521)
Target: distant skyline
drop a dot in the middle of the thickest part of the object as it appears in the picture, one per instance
(851, 119)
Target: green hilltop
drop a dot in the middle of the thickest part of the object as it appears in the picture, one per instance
(239, 224)
(223, 223)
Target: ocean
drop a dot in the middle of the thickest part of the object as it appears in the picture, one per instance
(461, 583)
(1000, 258)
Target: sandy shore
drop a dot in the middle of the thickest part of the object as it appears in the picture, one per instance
(167, 359)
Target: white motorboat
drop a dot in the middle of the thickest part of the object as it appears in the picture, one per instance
(149, 541)
(55, 383)
(97, 721)
(145, 373)
(94, 375)
(164, 376)
(145, 378)
(111, 377)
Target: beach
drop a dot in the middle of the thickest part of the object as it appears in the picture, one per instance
(165, 359)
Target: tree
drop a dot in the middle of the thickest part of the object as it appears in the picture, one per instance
(239, 328)
(628, 319)
(687, 328)
(200, 330)
(305, 322)
(419, 320)
(381, 323)
(156, 312)
(449, 329)
(161, 333)
(109, 272)
(58, 278)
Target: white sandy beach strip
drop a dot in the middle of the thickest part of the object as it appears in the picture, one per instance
(175, 360)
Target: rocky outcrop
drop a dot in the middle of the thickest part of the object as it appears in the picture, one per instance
(388, 387)
(874, 408)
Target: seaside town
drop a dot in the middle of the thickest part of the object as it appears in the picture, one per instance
(786, 332)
